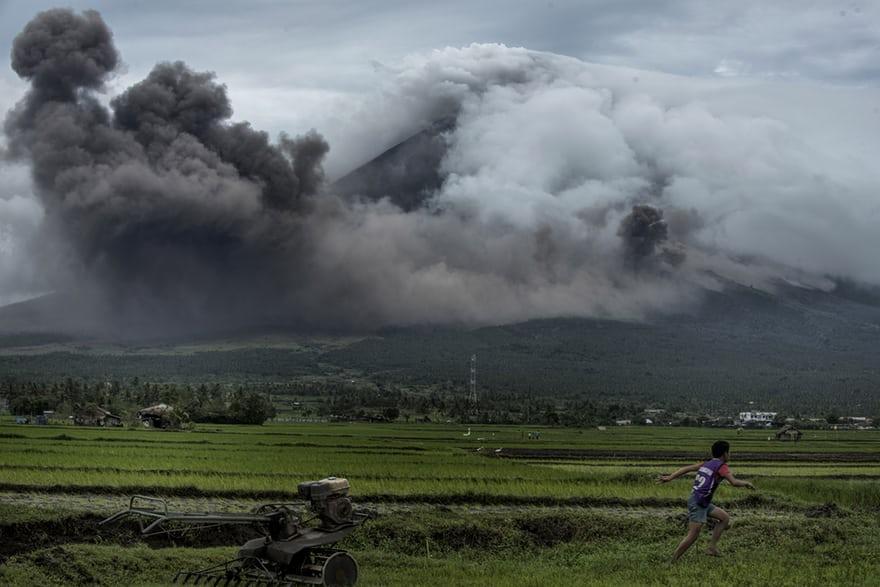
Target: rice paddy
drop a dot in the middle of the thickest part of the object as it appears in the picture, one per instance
(480, 506)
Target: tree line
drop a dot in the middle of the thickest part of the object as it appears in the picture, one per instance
(241, 404)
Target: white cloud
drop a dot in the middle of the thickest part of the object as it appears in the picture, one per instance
(731, 68)
(774, 170)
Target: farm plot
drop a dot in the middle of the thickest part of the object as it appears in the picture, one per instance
(453, 509)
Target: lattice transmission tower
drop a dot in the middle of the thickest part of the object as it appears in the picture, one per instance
(473, 391)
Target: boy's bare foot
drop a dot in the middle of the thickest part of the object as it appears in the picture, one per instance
(713, 552)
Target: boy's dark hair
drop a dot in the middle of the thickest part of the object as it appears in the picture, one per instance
(719, 448)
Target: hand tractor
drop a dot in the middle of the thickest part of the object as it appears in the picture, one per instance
(293, 549)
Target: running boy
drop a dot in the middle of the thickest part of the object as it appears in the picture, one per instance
(709, 476)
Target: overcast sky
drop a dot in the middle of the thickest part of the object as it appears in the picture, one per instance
(284, 60)
(740, 75)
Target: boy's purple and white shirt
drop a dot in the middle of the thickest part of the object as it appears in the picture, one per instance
(709, 476)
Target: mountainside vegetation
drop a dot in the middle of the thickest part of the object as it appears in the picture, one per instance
(799, 351)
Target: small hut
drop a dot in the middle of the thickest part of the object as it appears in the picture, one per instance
(788, 432)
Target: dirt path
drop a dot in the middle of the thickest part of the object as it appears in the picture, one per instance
(104, 504)
(176, 494)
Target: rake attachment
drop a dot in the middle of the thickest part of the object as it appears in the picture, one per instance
(288, 553)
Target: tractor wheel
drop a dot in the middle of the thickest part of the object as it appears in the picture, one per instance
(340, 570)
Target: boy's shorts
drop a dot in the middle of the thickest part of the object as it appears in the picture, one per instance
(697, 513)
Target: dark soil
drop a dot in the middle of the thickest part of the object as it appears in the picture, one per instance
(826, 510)
(379, 498)
(183, 491)
(33, 535)
(27, 536)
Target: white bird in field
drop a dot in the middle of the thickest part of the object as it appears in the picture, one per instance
(468, 433)
(497, 450)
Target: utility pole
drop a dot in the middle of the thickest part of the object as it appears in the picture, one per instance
(473, 393)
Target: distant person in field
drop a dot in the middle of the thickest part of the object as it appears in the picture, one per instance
(709, 476)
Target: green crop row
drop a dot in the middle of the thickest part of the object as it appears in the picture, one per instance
(417, 462)
(624, 439)
(852, 493)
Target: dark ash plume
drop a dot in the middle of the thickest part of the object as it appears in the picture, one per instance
(169, 208)
(643, 230)
(175, 100)
(59, 51)
(307, 151)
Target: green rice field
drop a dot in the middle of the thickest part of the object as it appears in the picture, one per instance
(456, 506)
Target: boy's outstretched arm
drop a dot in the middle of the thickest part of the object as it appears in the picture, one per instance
(737, 482)
(679, 473)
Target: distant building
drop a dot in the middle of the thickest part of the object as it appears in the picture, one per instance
(623, 422)
(859, 422)
(756, 418)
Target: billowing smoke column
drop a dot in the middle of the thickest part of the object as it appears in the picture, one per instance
(175, 212)
(531, 186)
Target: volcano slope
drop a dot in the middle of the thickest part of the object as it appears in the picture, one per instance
(447, 513)
(794, 351)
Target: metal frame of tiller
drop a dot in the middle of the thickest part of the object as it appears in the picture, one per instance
(190, 520)
(292, 549)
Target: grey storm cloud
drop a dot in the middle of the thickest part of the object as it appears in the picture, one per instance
(524, 184)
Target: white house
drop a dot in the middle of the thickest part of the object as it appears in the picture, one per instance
(756, 418)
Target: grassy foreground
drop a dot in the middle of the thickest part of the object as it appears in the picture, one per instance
(450, 514)
(564, 548)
